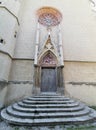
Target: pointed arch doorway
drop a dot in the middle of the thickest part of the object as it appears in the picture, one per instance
(48, 73)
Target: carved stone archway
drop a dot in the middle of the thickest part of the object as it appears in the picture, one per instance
(50, 55)
(48, 77)
(48, 62)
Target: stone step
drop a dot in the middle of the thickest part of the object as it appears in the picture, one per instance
(74, 109)
(47, 99)
(49, 93)
(48, 102)
(48, 110)
(35, 115)
(48, 96)
(47, 121)
(26, 105)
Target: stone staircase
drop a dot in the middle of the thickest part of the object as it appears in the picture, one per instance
(48, 109)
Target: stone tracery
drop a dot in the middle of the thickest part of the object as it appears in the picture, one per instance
(48, 16)
(49, 59)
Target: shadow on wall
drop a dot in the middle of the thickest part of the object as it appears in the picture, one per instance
(3, 92)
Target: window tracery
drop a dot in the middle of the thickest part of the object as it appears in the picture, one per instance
(48, 16)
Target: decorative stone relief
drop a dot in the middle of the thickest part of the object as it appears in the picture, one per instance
(49, 16)
(48, 60)
(48, 44)
(48, 53)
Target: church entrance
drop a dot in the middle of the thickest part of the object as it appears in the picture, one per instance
(48, 80)
(48, 71)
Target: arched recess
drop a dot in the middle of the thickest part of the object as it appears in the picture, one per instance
(48, 78)
(48, 74)
(48, 59)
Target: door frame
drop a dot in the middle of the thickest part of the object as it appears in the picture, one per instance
(48, 60)
(41, 76)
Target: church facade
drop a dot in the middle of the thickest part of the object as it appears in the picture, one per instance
(47, 46)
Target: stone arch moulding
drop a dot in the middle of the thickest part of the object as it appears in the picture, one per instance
(48, 59)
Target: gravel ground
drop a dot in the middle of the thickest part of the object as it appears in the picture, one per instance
(6, 126)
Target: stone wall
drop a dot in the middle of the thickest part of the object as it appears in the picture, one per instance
(5, 64)
(3, 91)
(20, 80)
(9, 24)
(80, 81)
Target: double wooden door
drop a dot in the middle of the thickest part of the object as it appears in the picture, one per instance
(48, 80)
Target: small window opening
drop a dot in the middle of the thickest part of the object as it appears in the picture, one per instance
(15, 35)
(1, 40)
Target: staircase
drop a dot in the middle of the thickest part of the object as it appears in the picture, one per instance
(48, 109)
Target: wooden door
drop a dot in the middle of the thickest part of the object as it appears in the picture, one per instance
(48, 80)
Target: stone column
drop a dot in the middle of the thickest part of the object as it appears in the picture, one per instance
(60, 46)
(37, 44)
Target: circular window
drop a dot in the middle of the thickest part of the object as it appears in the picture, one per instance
(48, 16)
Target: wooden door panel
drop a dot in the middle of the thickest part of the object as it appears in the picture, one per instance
(48, 80)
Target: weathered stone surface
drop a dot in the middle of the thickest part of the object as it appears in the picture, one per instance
(48, 112)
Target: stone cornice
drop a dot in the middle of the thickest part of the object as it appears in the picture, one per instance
(82, 61)
(13, 58)
(31, 59)
(82, 83)
(4, 7)
(6, 53)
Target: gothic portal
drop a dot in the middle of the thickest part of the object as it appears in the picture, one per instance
(48, 57)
